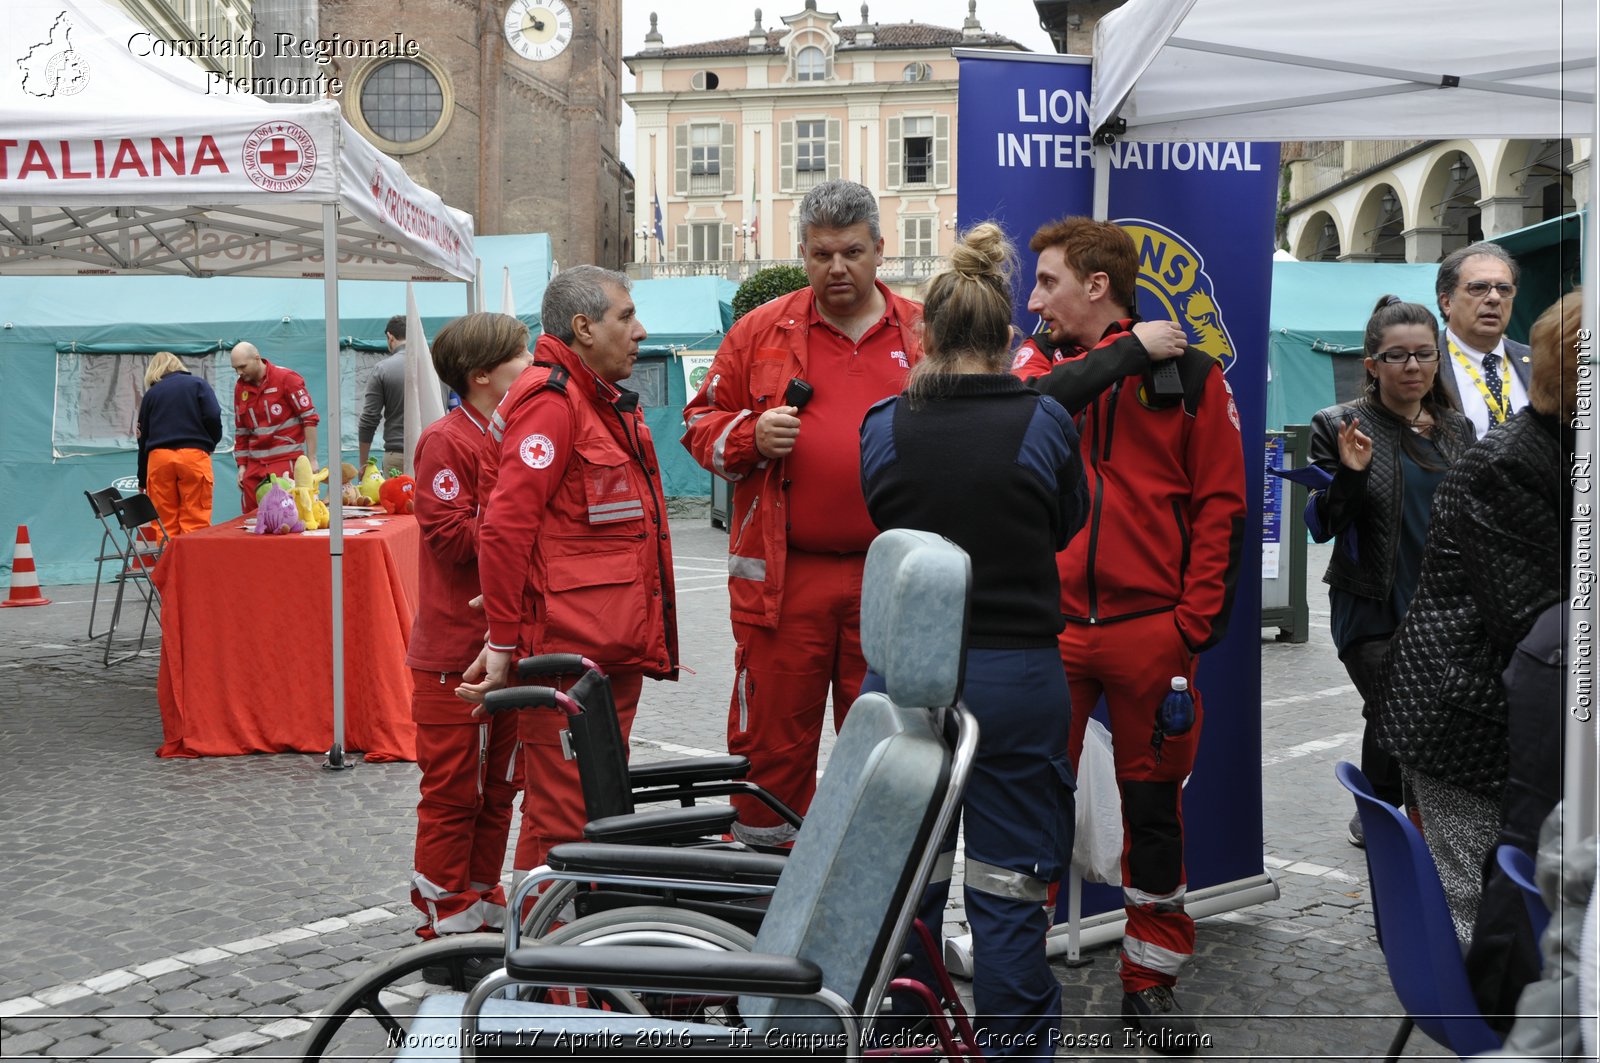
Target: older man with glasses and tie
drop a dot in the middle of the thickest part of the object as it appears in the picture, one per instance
(1485, 375)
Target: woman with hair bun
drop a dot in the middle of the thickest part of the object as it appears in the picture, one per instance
(179, 425)
(971, 453)
(1387, 452)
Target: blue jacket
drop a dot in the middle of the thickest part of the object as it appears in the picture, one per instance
(180, 410)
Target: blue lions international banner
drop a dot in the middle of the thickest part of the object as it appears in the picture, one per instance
(1202, 217)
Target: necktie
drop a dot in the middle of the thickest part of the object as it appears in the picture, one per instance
(1491, 380)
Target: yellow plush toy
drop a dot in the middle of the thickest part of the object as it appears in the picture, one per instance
(371, 483)
(313, 511)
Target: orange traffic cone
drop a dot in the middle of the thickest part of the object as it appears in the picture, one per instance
(24, 580)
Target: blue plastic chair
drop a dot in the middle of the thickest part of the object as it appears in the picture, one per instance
(1518, 867)
(1418, 940)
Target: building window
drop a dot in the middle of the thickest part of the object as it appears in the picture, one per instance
(705, 160)
(917, 236)
(704, 81)
(810, 64)
(402, 101)
(810, 153)
(401, 105)
(916, 72)
(919, 150)
(705, 241)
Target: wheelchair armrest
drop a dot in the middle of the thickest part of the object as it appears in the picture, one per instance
(654, 861)
(691, 770)
(670, 826)
(664, 969)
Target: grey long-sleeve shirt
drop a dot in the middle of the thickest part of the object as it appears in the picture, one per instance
(386, 402)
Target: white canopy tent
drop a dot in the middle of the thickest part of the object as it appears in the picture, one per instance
(117, 156)
(1373, 70)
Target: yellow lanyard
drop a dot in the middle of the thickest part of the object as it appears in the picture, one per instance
(1498, 410)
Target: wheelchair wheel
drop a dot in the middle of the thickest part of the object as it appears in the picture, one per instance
(550, 908)
(657, 926)
(367, 1018)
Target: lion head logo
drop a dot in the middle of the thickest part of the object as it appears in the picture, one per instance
(1172, 272)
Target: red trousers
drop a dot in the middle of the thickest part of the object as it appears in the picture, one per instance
(469, 783)
(179, 485)
(782, 679)
(552, 797)
(1132, 663)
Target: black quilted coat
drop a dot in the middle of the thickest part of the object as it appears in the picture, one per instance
(1495, 559)
(1369, 501)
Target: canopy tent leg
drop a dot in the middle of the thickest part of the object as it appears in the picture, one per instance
(336, 761)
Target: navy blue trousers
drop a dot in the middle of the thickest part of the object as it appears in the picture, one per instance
(1018, 811)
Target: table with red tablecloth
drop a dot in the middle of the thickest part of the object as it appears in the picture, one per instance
(247, 639)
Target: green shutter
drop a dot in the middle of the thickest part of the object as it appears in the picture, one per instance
(941, 150)
(727, 242)
(894, 154)
(680, 180)
(786, 156)
(835, 153)
(681, 251)
(727, 158)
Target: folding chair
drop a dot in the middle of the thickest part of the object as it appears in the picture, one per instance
(103, 503)
(1418, 940)
(144, 539)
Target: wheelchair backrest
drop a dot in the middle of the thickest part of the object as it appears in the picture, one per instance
(595, 736)
(914, 598)
(842, 897)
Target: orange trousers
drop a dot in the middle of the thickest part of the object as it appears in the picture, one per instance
(179, 484)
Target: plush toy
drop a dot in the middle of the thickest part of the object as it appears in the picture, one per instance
(350, 493)
(371, 482)
(397, 494)
(266, 485)
(277, 515)
(306, 497)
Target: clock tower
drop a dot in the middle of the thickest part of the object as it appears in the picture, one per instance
(510, 110)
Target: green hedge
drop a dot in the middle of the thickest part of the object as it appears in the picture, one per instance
(766, 286)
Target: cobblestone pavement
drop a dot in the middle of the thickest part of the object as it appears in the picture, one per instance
(201, 908)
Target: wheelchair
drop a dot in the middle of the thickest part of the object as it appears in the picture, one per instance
(661, 977)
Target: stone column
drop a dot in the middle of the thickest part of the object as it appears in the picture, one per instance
(1502, 214)
(1425, 243)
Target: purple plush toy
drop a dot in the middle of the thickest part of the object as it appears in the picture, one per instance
(277, 514)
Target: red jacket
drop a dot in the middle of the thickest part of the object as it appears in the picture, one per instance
(447, 633)
(574, 554)
(270, 418)
(1166, 488)
(758, 357)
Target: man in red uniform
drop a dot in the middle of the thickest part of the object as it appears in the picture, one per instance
(274, 421)
(1148, 584)
(574, 553)
(469, 781)
(800, 526)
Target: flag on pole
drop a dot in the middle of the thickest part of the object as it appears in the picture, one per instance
(661, 232)
(508, 302)
(424, 393)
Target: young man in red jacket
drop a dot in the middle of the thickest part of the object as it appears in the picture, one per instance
(469, 780)
(1148, 584)
(574, 553)
(800, 525)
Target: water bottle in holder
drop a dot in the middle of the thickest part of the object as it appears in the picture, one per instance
(1175, 714)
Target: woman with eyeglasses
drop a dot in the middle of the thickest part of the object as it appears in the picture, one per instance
(1386, 452)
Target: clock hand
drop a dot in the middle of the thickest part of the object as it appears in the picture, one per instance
(537, 25)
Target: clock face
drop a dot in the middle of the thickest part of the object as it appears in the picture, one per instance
(538, 29)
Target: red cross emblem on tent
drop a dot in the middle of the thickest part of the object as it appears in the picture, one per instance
(280, 156)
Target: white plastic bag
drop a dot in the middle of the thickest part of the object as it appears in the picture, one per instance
(1097, 847)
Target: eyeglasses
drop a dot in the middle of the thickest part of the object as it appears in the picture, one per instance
(1479, 289)
(1399, 357)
